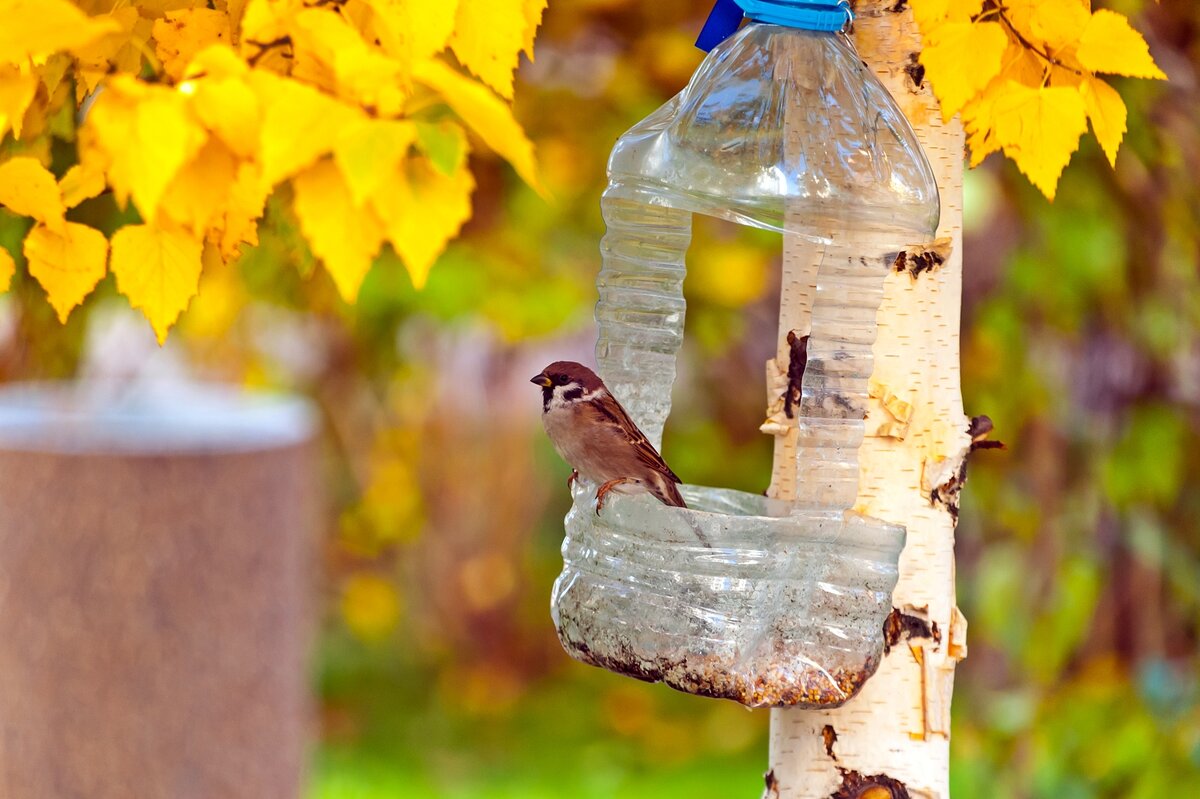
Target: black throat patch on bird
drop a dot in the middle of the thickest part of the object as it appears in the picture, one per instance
(569, 395)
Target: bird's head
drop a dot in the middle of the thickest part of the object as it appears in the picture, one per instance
(564, 382)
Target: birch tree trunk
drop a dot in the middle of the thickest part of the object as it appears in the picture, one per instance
(893, 738)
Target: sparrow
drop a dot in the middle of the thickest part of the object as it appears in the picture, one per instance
(596, 437)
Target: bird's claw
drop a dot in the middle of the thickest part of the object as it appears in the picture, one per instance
(574, 477)
(604, 490)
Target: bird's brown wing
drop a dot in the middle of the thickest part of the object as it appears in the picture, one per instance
(614, 414)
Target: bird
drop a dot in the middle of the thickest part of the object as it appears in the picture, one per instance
(596, 437)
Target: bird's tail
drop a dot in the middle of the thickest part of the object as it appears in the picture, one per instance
(668, 493)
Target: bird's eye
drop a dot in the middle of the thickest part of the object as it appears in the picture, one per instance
(560, 379)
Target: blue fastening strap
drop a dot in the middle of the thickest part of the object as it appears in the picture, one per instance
(813, 15)
(722, 22)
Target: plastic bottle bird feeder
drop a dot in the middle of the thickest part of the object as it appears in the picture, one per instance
(766, 602)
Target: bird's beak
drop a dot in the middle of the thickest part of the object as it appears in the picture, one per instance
(542, 381)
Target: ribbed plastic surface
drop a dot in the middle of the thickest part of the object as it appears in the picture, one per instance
(724, 600)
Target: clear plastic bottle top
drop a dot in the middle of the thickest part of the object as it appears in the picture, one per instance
(780, 126)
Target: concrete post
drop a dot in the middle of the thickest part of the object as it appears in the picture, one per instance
(155, 549)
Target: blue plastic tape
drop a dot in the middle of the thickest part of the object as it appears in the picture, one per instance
(813, 15)
(723, 22)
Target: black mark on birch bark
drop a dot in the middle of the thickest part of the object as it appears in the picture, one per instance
(946, 495)
(921, 258)
(772, 789)
(877, 786)
(829, 736)
(900, 625)
(915, 71)
(797, 360)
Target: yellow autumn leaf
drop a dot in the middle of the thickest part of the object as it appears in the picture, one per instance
(157, 8)
(216, 61)
(421, 210)
(345, 238)
(410, 30)
(68, 265)
(1019, 13)
(180, 35)
(145, 134)
(158, 269)
(1057, 24)
(233, 8)
(17, 90)
(81, 182)
(200, 188)
(1039, 129)
(1110, 44)
(332, 54)
(266, 21)
(54, 72)
(8, 268)
(1107, 113)
(488, 38)
(929, 13)
(28, 189)
(36, 28)
(369, 152)
(489, 116)
(122, 49)
(238, 220)
(223, 101)
(963, 59)
(299, 124)
(1020, 65)
(981, 140)
(532, 11)
(45, 114)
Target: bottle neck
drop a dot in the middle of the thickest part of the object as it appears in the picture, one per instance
(815, 15)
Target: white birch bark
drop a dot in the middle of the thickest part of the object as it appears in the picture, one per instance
(893, 738)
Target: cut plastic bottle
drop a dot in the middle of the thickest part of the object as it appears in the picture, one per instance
(761, 601)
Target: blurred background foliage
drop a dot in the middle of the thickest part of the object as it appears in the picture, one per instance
(437, 670)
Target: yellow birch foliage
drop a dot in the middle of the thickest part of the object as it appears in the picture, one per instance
(1025, 75)
(68, 263)
(195, 112)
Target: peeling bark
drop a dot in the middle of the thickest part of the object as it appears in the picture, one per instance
(797, 360)
(829, 735)
(876, 786)
(946, 483)
(772, 789)
(906, 626)
(923, 258)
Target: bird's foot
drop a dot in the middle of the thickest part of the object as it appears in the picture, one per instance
(605, 489)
